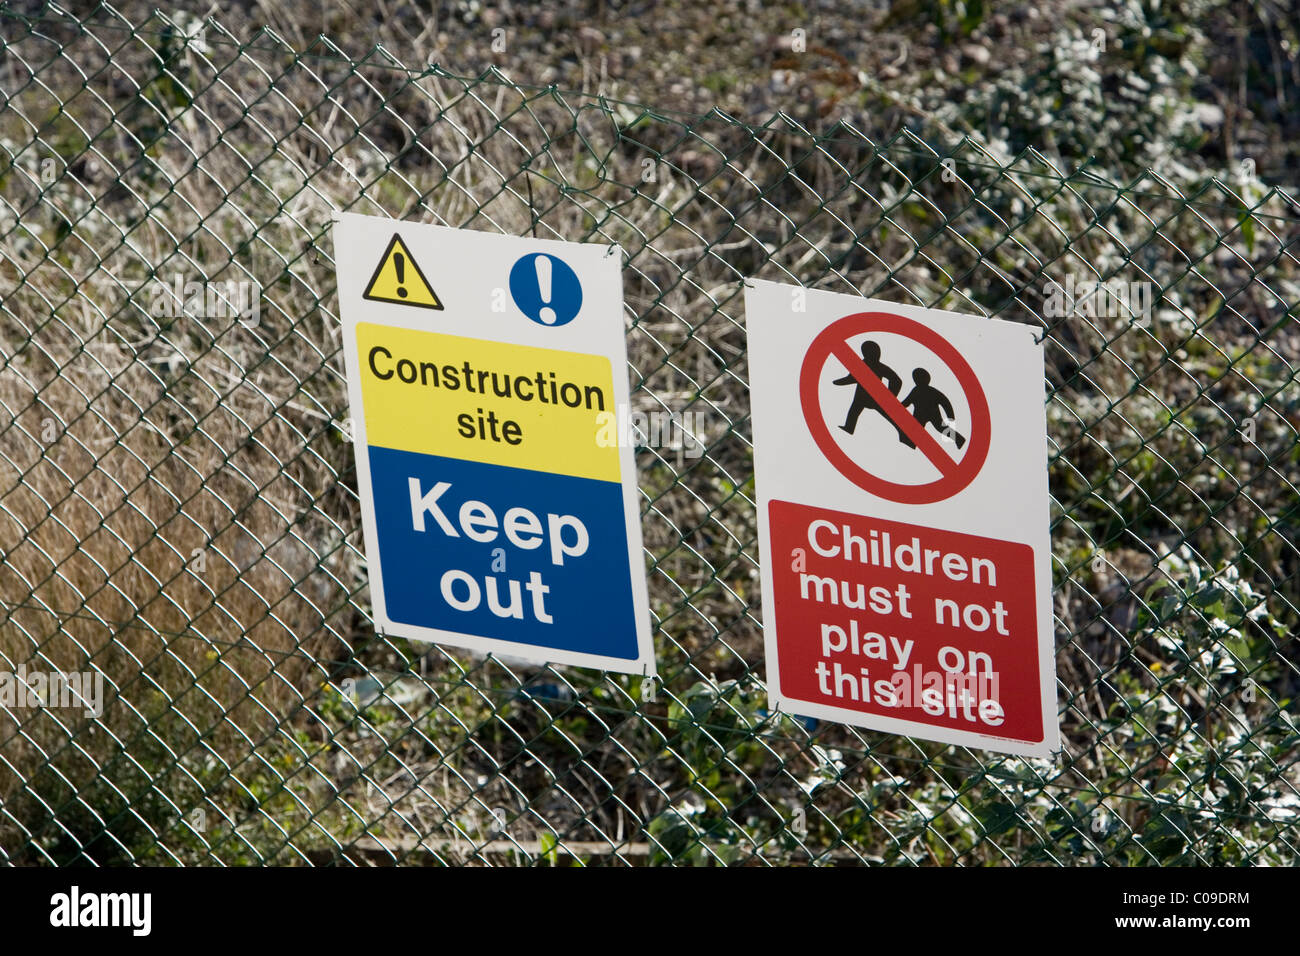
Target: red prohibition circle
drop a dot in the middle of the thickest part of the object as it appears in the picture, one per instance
(956, 475)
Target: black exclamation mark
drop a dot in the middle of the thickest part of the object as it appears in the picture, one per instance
(399, 260)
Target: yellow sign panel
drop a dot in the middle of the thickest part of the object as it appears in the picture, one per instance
(398, 279)
(492, 402)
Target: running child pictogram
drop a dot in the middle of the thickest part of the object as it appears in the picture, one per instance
(928, 405)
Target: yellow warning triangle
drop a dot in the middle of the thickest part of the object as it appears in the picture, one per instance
(398, 279)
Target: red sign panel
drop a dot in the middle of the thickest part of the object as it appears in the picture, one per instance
(906, 622)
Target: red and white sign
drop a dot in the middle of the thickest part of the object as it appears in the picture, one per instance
(900, 459)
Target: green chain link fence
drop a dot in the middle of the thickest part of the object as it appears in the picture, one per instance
(178, 513)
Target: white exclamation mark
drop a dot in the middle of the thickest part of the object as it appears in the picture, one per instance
(543, 265)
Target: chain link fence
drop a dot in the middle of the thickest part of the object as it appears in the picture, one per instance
(191, 674)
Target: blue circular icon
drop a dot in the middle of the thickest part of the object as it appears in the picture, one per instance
(545, 289)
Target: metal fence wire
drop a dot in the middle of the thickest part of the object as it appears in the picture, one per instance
(179, 519)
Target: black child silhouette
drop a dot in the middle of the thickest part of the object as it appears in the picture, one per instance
(862, 399)
(926, 402)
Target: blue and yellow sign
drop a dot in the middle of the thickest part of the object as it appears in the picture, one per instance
(498, 514)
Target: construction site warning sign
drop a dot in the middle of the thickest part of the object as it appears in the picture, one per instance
(900, 459)
(498, 515)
